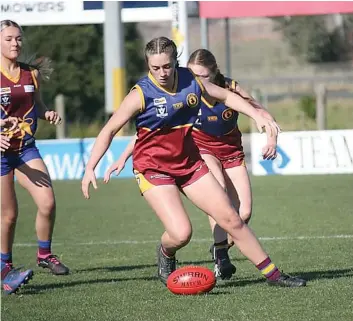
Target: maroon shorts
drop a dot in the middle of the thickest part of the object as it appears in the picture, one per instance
(150, 178)
(235, 160)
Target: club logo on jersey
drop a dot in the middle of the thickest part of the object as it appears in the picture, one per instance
(5, 100)
(228, 114)
(161, 111)
(28, 88)
(161, 107)
(5, 90)
(192, 100)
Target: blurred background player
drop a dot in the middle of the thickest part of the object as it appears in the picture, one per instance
(217, 135)
(166, 158)
(218, 138)
(20, 98)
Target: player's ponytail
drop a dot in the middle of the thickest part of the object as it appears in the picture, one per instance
(42, 64)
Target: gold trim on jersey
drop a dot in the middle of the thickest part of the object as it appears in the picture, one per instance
(208, 104)
(175, 127)
(203, 90)
(34, 78)
(182, 126)
(156, 83)
(15, 79)
(142, 96)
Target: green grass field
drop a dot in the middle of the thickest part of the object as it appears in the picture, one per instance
(305, 222)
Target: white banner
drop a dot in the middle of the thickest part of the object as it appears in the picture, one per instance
(39, 13)
(308, 152)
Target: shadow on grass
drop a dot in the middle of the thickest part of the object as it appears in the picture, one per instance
(308, 275)
(222, 285)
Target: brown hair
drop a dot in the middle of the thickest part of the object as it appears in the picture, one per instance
(42, 64)
(205, 58)
(161, 45)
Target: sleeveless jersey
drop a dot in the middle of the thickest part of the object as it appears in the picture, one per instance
(17, 100)
(216, 128)
(164, 125)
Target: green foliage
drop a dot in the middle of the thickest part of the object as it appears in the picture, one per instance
(77, 53)
(307, 104)
(310, 39)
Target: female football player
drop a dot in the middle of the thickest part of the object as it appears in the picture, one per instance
(20, 98)
(165, 105)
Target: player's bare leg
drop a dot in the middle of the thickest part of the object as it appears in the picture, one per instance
(166, 202)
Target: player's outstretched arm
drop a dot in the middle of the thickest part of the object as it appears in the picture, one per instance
(237, 103)
(128, 108)
(252, 101)
(119, 165)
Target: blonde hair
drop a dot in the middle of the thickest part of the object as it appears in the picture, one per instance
(42, 64)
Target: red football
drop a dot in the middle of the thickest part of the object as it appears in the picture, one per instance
(191, 280)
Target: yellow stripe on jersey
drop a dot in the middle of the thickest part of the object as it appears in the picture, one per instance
(34, 77)
(142, 182)
(182, 126)
(156, 83)
(139, 90)
(14, 79)
(198, 81)
(206, 102)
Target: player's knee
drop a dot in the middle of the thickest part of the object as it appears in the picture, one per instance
(245, 215)
(47, 206)
(183, 236)
(232, 222)
(8, 216)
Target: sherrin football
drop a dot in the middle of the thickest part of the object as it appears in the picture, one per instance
(190, 280)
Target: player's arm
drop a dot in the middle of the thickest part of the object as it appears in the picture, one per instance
(42, 110)
(238, 104)
(128, 108)
(269, 151)
(119, 164)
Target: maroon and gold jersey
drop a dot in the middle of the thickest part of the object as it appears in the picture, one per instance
(17, 100)
(164, 125)
(216, 129)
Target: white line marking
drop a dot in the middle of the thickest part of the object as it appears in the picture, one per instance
(116, 242)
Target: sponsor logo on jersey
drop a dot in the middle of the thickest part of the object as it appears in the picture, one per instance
(159, 101)
(212, 118)
(5, 90)
(29, 88)
(178, 105)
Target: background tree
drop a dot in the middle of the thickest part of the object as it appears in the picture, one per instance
(311, 38)
(77, 53)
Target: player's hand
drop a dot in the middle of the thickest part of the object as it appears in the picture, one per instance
(269, 151)
(264, 113)
(4, 142)
(270, 126)
(53, 117)
(117, 166)
(87, 179)
(10, 124)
